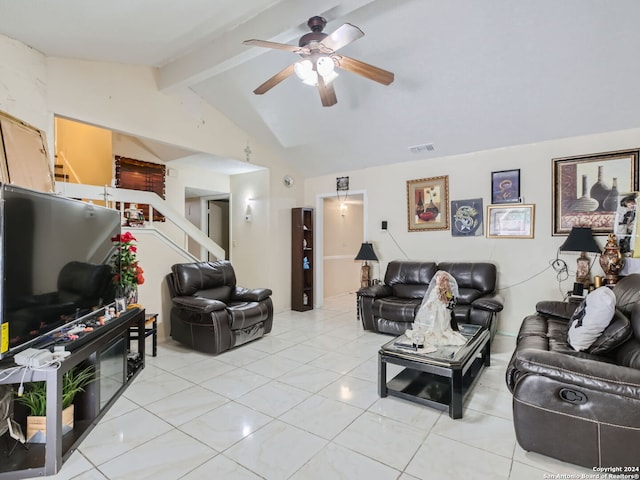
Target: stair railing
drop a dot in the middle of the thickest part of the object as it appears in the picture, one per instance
(110, 196)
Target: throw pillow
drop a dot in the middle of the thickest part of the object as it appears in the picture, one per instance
(616, 333)
(591, 318)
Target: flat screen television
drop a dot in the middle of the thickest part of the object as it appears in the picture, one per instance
(55, 263)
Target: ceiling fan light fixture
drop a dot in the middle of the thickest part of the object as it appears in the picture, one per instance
(325, 66)
(305, 72)
(319, 60)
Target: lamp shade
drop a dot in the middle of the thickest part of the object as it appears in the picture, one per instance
(366, 253)
(580, 239)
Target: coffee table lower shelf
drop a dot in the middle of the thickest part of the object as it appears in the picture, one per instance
(434, 390)
(441, 379)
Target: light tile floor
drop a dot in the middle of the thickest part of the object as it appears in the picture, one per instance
(301, 403)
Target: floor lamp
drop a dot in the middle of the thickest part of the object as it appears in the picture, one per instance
(366, 254)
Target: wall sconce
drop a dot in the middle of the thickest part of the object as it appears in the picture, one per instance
(343, 209)
(247, 212)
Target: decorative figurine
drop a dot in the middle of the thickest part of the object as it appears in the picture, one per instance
(133, 215)
(611, 260)
(434, 317)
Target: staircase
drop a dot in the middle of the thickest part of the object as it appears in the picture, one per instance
(111, 196)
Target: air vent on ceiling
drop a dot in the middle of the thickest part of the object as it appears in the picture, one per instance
(427, 147)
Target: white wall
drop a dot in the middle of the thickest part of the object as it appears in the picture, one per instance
(524, 272)
(125, 99)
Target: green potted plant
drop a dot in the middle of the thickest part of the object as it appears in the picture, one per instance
(35, 399)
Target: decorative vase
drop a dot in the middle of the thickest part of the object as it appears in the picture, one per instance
(611, 260)
(420, 204)
(584, 203)
(431, 207)
(600, 190)
(37, 426)
(131, 294)
(610, 203)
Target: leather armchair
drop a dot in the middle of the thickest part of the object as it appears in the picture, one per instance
(579, 407)
(391, 307)
(210, 313)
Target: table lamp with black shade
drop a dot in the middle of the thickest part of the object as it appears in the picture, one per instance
(581, 240)
(366, 254)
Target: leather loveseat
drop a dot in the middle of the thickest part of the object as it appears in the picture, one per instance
(392, 306)
(210, 313)
(581, 407)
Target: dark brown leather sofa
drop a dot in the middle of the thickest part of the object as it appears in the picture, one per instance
(579, 407)
(210, 313)
(392, 306)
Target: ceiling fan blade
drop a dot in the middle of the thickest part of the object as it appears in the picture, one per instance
(275, 80)
(360, 68)
(277, 46)
(327, 93)
(342, 36)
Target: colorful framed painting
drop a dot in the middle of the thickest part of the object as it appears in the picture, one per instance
(466, 218)
(510, 221)
(505, 186)
(586, 189)
(428, 204)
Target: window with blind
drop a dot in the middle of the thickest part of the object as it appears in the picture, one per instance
(145, 176)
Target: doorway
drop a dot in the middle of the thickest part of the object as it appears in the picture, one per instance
(210, 214)
(218, 223)
(340, 226)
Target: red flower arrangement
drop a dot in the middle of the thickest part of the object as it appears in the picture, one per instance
(126, 271)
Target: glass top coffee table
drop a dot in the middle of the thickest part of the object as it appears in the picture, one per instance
(440, 379)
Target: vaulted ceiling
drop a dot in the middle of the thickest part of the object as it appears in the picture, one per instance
(469, 74)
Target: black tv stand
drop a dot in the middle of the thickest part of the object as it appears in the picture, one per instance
(106, 349)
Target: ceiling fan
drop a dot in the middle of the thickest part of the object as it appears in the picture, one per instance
(319, 59)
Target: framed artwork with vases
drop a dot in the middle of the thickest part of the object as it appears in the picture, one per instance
(428, 204)
(586, 189)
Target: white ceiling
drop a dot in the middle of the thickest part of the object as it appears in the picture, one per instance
(469, 74)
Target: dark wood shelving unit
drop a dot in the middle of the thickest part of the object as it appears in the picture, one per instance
(302, 259)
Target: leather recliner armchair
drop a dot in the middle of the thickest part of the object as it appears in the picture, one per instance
(391, 307)
(579, 407)
(210, 313)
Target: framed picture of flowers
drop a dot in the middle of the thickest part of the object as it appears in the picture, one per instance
(428, 204)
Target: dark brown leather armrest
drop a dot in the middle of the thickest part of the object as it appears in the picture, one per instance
(556, 308)
(491, 303)
(250, 294)
(198, 304)
(375, 291)
(580, 372)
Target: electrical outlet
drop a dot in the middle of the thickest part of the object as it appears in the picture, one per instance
(384, 225)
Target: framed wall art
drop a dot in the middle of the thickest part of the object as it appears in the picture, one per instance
(586, 189)
(466, 218)
(505, 186)
(510, 221)
(428, 204)
(626, 221)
